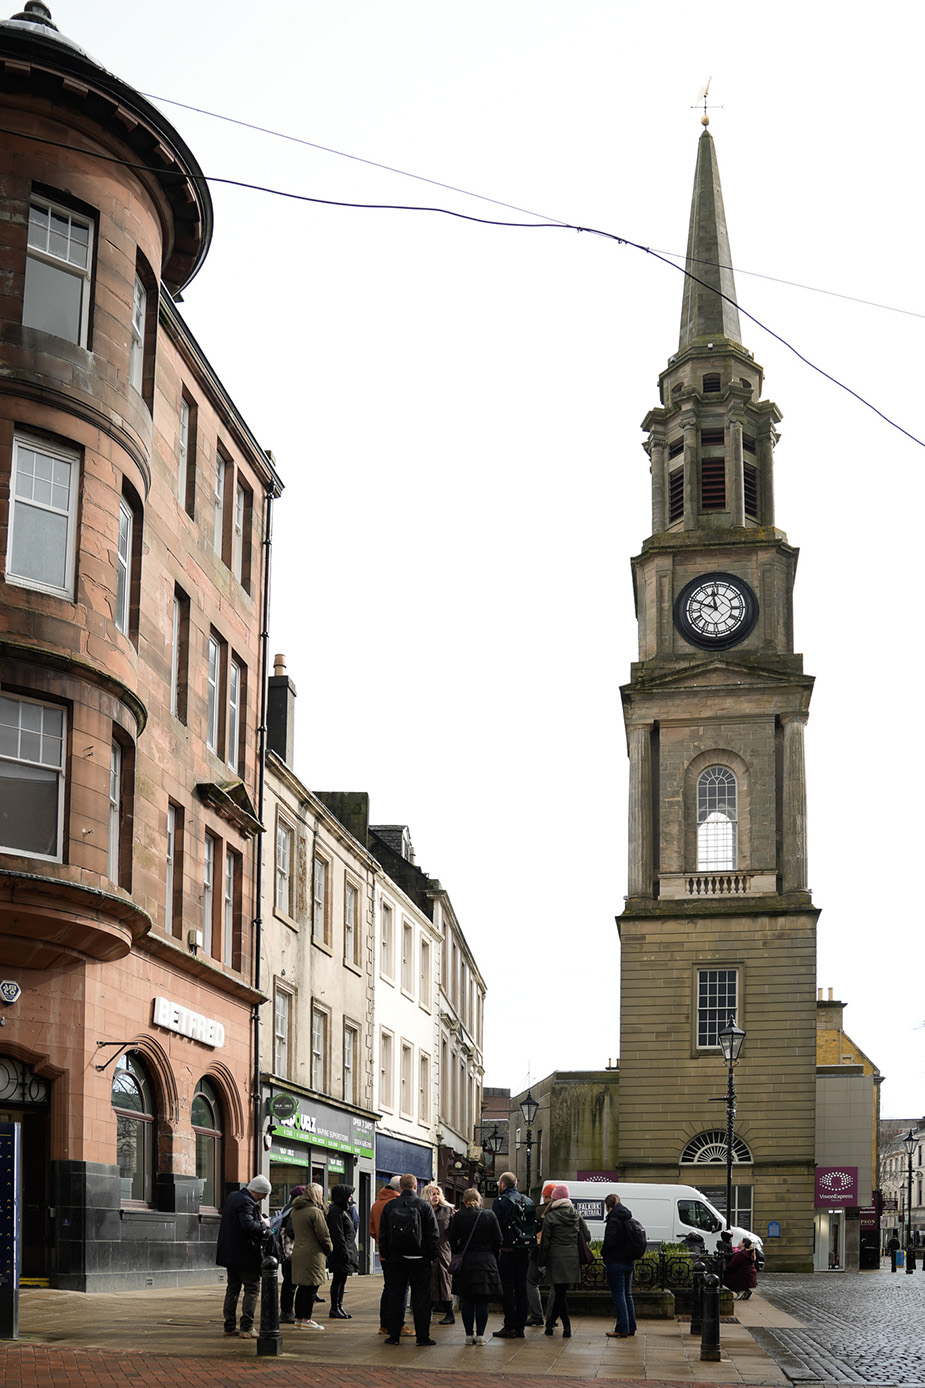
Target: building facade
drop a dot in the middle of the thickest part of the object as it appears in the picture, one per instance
(718, 921)
(134, 503)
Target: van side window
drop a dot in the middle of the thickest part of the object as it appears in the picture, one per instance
(696, 1214)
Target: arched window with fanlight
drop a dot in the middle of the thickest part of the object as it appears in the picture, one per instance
(717, 820)
(710, 1148)
(207, 1126)
(133, 1105)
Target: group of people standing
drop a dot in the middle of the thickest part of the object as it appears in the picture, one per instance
(314, 1239)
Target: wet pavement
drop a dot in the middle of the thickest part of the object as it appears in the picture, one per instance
(848, 1327)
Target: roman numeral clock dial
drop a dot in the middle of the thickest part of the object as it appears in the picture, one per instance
(715, 611)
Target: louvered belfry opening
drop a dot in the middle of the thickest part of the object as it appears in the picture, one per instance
(675, 495)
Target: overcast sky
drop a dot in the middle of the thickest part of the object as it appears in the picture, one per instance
(455, 412)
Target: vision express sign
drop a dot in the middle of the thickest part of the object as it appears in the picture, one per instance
(320, 1126)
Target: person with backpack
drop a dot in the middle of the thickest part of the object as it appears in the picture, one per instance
(408, 1240)
(624, 1242)
(516, 1214)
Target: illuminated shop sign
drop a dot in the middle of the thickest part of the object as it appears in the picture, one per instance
(188, 1023)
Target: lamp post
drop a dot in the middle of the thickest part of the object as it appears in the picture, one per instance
(731, 1039)
(909, 1144)
(529, 1108)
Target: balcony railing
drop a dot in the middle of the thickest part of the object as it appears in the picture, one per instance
(680, 886)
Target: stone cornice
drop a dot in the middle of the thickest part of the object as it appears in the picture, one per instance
(81, 669)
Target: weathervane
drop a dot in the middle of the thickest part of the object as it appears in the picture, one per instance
(702, 96)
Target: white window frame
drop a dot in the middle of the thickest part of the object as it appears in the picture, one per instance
(14, 734)
(320, 1048)
(175, 630)
(233, 731)
(424, 994)
(351, 918)
(208, 889)
(406, 1080)
(320, 917)
(124, 566)
(351, 1056)
(20, 504)
(115, 798)
(386, 939)
(285, 843)
(218, 504)
(711, 1015)
(137, 349)
(423, 1087)
(183, 451)
(407, 958)
(386, 1060)
(171, 861)
(214, 689)
(282, 1031)
(63, 264)
(232, 861)
(240, 511)
(717, 820)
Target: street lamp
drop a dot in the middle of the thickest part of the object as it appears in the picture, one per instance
(730, 1039)
(529, 1108)
(909, 1144)
(492, 1144)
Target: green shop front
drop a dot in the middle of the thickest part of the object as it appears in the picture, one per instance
(310, 1141)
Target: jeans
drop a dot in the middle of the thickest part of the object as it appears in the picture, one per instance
(512, 1265)
(534, 1300)
(620, 1277)
(247, 1278)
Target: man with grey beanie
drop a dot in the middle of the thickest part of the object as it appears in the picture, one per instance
(240, 1250)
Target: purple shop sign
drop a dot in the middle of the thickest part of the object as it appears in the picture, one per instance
(836, 1185)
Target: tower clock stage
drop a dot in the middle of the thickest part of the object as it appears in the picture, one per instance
(718, 920)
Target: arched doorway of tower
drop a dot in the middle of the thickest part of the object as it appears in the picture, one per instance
(709, 1149)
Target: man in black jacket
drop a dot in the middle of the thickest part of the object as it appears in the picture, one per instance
(408, 1239)
(512, 1261)
(240, 1250)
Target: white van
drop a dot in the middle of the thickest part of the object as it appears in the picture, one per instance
(668, 1213)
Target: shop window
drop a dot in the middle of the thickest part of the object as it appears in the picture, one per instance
(42, 539)
(32, 749)
(59, 260)
(133, 1105)
(207, 1129)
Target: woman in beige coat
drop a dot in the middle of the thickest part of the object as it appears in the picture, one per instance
(309, 1253)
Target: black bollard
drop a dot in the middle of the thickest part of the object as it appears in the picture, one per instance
(699, 1270)
(910, 1257)
(270, 1339)
(709, 1338)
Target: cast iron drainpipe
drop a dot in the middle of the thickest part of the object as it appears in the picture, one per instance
(261, 786)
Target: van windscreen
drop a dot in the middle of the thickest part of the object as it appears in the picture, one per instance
(697, 1215)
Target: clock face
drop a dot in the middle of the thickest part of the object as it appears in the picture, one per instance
(715, 611)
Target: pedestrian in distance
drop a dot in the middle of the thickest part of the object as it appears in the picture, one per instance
(534, 1299)
(516, 1214)
(624, 1243)
(309, 1253)
(408, 1239)
(741, 1274)
(240, 1250)
(559, 1255)
(475, 1236)
(441, 1283)
(344, 1260)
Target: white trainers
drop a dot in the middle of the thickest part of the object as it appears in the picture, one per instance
(480, 1340)
(313, 1325)
(470, 1339)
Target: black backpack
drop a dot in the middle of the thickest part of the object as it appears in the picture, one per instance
(404, 1221)
(636, 1241)
(523, 1221)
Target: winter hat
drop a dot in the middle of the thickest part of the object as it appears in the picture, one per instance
(259, 1186)
(297, 1191)
(548, 1189)
(560, 1192)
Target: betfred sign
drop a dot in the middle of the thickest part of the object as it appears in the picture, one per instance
(836, 1185)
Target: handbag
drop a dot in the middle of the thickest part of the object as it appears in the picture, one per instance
(456, 1261)
(585, 1255)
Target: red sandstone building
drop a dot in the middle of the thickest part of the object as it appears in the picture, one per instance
(134, 510)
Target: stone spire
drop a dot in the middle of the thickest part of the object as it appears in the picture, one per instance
(705, 316)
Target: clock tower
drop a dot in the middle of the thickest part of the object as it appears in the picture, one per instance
(718, 921)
